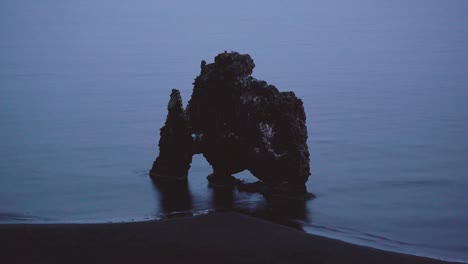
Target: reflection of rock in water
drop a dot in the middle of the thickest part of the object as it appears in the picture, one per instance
(223, 198)
(174, 196)
(287, 209)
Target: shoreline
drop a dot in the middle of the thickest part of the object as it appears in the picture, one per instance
(228, 237)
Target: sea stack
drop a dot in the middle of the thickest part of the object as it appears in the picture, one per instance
(238, 123)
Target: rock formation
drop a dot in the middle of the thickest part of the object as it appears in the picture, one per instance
(175, 144)
(238, 123)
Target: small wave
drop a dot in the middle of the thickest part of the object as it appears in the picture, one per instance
(185, 213)
(415, 183)
(376, 241)
(327, 228)
(381, 238)
(141, 173)
(359, 235)
(19, 217)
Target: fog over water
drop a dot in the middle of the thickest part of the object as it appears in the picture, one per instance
(84, 87)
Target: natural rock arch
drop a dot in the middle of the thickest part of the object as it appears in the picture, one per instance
(238, 123)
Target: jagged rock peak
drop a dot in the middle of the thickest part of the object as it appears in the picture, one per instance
(175, 103)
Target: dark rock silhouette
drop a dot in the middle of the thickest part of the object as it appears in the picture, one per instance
(238, 123)
(175, 144)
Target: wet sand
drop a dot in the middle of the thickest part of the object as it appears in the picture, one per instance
(213, 238)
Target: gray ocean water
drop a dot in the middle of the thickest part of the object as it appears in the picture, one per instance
(84, 87)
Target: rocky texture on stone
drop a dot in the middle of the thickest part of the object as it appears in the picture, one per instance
(238, 123)
(175, 144)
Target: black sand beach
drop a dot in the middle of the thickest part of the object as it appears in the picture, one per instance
(214, 238)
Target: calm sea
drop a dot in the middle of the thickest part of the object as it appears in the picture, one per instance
(84, 87)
